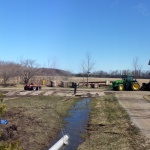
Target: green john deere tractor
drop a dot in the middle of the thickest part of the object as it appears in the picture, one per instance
(127, 83)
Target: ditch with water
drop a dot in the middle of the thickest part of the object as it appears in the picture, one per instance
(76, 124)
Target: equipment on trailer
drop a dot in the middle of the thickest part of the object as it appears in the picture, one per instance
(32, 86)
(145, 86)
(127, 83)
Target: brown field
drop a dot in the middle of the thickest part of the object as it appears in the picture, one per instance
(58, 80)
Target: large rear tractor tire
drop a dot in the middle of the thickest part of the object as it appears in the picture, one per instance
(120, 87)
(135, 86)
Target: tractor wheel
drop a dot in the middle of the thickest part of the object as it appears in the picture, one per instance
(135, 86)
(120, 87)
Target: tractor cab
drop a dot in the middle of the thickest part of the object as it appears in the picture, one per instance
(127, 78)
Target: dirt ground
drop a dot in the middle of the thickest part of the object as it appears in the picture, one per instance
(33, 121)
(137, 104)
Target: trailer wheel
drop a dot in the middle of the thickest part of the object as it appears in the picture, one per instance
(34, 88)
(39, 88)
(25, 88)
(135, 86)
(120, 87)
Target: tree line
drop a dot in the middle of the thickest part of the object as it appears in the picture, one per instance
(87, 66)
(116, 74)
(27, 69)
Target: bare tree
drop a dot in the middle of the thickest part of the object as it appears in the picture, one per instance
(8, 70)
(52, 66)
(29, 68)
(87, 65)
(137, 67)
(83, 71)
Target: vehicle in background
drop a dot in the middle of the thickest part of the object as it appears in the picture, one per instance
(127, 83)
(32, 86)
(145, 86)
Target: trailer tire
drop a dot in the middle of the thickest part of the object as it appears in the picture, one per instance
(34, 88)
(25, 88)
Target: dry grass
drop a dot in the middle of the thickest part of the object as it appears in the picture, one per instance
(147, 97)
(76, 79)
(110, 128)
(34, 121)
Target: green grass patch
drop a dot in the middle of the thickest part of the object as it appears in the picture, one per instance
(110, 128)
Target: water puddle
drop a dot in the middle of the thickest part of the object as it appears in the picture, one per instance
(76, 123)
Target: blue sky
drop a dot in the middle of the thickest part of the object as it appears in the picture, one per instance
(113, 31)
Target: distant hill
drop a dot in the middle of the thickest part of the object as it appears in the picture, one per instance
(52, 72)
